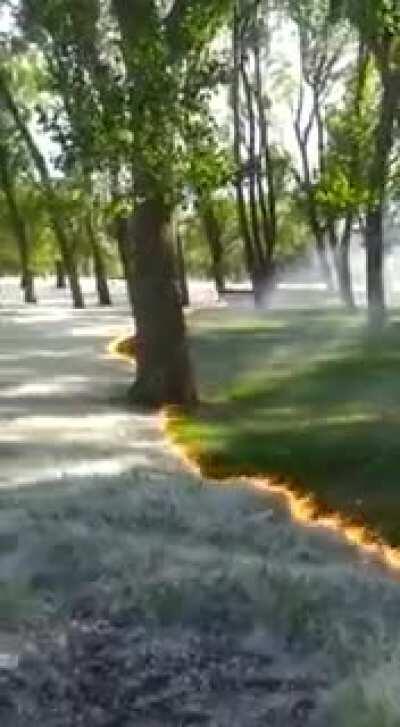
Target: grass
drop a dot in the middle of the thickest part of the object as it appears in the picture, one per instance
(304, 396)
(156, 549)
(152, 547)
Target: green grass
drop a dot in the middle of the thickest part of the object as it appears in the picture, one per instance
(308, 396)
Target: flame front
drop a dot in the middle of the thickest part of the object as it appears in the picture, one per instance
(303, 508)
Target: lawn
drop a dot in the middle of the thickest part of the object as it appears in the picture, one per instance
(304, 396)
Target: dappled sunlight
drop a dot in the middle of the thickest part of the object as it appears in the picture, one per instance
(60, 386)
(54, 475)
(63, 407)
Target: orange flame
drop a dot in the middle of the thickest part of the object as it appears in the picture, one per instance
(303, 509)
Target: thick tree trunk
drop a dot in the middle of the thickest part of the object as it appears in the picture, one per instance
(213, 234)
(164, 372)
(181, 268)
(375, 257)
(103, 292)
(60, 275)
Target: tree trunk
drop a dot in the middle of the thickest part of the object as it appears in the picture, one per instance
(122, 236)
(375, 279)
(18, 224)
(99, 269)
(379, 174)
(343, 265)
(73, 277)
(181, 267)
(29, 287)
(60, 275)
(323, 257)
(237, 145)
(252, 174)
(270, 227)
(164, 372)
(53, 208)
(213, 234)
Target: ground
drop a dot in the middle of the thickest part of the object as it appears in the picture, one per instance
(309, 397)
(134, 592)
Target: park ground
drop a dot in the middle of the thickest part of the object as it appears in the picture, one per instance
(309, 398)
(134, 592)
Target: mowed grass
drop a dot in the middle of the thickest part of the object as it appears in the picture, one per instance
(305, 396)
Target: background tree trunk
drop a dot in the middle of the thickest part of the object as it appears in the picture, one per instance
(181, 268)
(53, 208)
(122, 234)
(375, 214)
(213, 234)
(237, 151)
(343, 265)
(375, 256)
(164, 371)
(103, 292)
(60, 275)
(18, 224)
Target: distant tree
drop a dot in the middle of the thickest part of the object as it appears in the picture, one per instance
(20, 120)
(253, 152)
(378, 23)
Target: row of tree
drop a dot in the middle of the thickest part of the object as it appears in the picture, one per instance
(108, 138)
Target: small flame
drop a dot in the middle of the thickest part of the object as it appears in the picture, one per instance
(302, 508)
(119, 348)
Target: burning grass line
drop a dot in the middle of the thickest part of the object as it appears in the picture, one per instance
(303, 509)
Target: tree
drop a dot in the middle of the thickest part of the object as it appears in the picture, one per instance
(320, 56)
(166, 55)
(71, 119)
(253, 153)
(11, 159)
(378, 23)
(343, 187)
(11, 106)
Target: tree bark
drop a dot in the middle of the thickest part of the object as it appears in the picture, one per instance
(103, 292)
(164, 371)
(29, 287)
(213, 234)
(181, 267)
(60, 275)
(379, 173)
(237, 144)
(343, 265)
(270, 226)
(375, 257)
(252, 162)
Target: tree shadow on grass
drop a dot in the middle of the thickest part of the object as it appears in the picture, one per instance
(319, 409)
